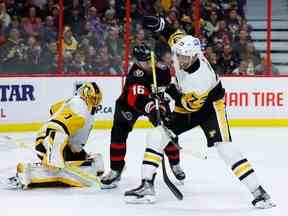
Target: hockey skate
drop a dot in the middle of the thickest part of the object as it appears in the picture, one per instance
(178, 172)
(111, 180)
(144, 194)
(262, 199)
(19, 181)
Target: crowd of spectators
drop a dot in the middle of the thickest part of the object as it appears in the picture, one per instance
(92, 41)
(224, 32)
(93, 34)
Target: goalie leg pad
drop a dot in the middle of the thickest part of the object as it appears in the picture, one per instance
(35, 175)
(54, 144)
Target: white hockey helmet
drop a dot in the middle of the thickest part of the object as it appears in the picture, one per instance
(186, 51)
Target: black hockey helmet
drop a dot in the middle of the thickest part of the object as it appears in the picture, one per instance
(142, 52)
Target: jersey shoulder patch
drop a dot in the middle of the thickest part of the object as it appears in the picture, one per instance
(138, 73)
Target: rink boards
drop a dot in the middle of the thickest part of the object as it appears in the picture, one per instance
(25, 101)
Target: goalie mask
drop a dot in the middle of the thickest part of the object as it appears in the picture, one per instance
(91, 93)
(186, 51)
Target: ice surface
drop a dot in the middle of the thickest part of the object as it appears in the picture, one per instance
(210, 188)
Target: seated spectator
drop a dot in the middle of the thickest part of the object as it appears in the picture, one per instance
(32, 23)
(15, 23)
(209, 6)
(84, 46)
(70, 44)
(55, 14)
(212, 58)
(263, 68)
(211, 24)
(91, 60)
(246, 67)
(241, 70)
(78, 64)
(114, 46)
(95, 22)
(172, 17)
(139, 38)
(245, 26)
(220, 37)
(105, 62)
(49, 58)
(109, 18)
(250, 52)
(48, 8)
(26, 8)
(228, 60)
(187, 25)
(75, 20)
(32, 56)
(239, 45)
(208, 51)
(13, 7)
(48, 32)
(12, 53)
(4, 16)
(233, 22)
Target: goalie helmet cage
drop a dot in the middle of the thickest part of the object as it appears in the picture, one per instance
(128, 21)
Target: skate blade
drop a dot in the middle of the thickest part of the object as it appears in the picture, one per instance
(8, 186)
(107, 187)
(264, 205)
(143, 200)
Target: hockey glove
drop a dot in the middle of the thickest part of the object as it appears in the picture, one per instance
(151, 111)
(153, 23)
(174, 93)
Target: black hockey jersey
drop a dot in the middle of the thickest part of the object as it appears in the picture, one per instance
(137, 88)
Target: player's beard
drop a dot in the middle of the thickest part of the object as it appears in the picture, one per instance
(185, 61)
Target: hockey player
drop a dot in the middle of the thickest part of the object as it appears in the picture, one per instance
(199, 99)
(61, 141)
(136, 101)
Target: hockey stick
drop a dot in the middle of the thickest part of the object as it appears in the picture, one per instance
(177, 193)
(69, 167)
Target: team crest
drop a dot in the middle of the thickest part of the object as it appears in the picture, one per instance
(138, 73)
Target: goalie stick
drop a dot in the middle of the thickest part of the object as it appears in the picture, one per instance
(177, 193)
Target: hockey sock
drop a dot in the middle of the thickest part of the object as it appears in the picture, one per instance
(151, 161)
(240, 166)
(117, 156)
(156, 140)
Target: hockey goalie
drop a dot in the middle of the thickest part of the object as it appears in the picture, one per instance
(199, 101)
(60, 144)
